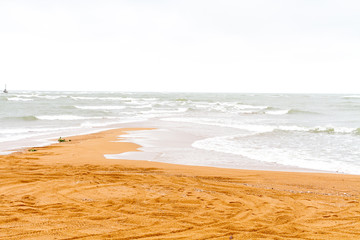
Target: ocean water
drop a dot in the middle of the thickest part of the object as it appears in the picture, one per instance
(309, 132)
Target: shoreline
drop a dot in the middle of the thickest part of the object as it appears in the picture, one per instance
(71, 190)
(170, 144)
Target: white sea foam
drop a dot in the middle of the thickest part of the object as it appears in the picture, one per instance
(160, 112)
(101, 107)
(140, 105)
(248, 111)
(32, 96)
(84, 98)
(65, 117)
(351, 96)
(23, 133)
(295, 156)
(13, 131)
(101, 98)
(50, 97)
(19, 99)
(6, 152)
(277, 112)
(261, 128)
(26, 95)
(228, 107)
(242, 106)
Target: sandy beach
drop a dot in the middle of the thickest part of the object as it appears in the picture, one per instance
(70, 191)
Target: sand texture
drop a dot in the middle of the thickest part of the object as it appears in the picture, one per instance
(70, 191)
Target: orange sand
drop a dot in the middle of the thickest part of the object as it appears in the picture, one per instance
(70, 191)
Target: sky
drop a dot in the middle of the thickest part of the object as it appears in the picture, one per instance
(293, 46)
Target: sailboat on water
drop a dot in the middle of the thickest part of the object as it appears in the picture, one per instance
(5, 91)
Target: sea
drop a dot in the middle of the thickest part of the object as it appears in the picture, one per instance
(280, 132)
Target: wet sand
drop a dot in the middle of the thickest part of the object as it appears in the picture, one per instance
(70, 191)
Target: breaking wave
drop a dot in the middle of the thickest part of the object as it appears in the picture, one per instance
(261, 128)
(100, 107)
(24, 118)
(65, 117)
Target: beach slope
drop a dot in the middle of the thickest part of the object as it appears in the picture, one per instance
(70, 191)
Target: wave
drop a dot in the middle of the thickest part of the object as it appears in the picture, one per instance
(288, 153)
(165, 111)
(293, 128)
(75, 117)
(296, 111)
(322, 130)
(84, 98)
(103, 98)
(51, 97)
(32, 97)
(277, 112)
(24, 118)
(357, 131)
(245, 106)
(65, 117)
(248, 112)
(231, 107)
(332, 130)
(351, 97)
(32, 130)
(274, 111)
(227, 107)
(26, 95)
(100, 107)
(19, 99)
(258, 128)
(182, 100)
(151, 99)
(249, 109)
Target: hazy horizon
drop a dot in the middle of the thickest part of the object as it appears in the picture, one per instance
(185, 92)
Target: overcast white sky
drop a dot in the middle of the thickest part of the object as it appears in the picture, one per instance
(183, 45)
